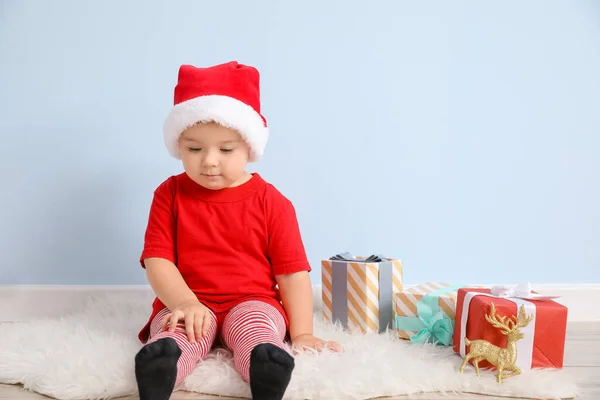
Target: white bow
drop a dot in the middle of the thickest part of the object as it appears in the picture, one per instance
(522, 290)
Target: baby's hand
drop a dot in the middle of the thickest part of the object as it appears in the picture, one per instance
(301, 342)
(196, 319)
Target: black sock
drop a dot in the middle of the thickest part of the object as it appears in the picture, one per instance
(270, 372)
(156, 369)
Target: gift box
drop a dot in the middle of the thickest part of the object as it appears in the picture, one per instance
(541, 341)
(358, 292)
(425, 313)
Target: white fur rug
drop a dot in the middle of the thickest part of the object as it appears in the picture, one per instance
(89, 355)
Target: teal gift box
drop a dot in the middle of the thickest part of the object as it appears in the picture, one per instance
(426, 313)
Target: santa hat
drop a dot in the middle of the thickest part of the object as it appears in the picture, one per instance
(228, 94)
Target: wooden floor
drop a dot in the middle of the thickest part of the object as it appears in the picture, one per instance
(582, 354)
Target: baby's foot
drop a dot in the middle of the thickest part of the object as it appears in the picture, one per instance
(156, 369)
(270, 371)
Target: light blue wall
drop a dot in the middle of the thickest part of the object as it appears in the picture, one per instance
(462, 137)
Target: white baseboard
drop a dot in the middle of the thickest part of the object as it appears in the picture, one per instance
(25, 302)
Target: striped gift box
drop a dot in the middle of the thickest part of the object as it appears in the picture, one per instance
(360, 295)
(405, 302)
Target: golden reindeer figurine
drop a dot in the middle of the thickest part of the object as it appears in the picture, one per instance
(502, 358)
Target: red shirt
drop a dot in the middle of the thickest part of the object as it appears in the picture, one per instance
(227, 244)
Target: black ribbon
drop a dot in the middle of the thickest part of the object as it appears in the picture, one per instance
(349, 257)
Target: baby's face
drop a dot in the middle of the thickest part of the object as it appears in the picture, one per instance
(214, 156)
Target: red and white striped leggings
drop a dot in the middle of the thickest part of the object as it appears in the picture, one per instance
(243, 327)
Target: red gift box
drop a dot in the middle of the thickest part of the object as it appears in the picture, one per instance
(543, 343)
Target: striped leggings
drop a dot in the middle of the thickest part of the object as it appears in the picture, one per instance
(243, 327)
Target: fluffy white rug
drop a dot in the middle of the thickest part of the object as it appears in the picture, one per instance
(89, 355)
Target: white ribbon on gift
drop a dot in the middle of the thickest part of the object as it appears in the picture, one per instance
(522, 290)
(516, 294)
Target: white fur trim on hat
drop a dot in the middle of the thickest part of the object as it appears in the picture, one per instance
(223, 110)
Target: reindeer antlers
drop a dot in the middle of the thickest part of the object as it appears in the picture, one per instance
(500, 322)
(495, 320)
(523, 320)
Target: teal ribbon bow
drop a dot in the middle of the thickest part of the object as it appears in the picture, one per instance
(431, 324)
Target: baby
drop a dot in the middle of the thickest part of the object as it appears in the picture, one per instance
(222, 250)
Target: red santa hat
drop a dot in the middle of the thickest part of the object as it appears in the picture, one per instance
(228, 94)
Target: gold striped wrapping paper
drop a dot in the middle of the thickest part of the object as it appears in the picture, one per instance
(405, 302)
(360, 295)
